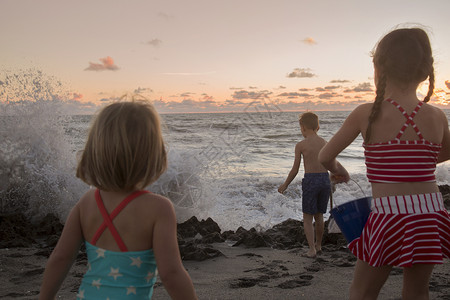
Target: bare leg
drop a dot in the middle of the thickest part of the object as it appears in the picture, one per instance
(415, 281)
(319, 227)
(368, 281)
(309, 232)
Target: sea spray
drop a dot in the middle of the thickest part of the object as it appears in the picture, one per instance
(182, 184)
(36, 158)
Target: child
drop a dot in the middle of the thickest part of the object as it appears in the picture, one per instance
(404, 139)
(127, 230)
(315, 184)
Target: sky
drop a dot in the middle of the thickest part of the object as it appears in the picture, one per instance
(215, 56)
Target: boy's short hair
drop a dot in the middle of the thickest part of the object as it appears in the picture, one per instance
(125, 149)
(309, 120)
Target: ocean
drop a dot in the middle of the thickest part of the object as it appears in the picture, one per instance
(226, 166)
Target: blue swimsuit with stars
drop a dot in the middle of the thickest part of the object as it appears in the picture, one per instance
(117, 275)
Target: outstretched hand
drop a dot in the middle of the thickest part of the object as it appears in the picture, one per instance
(282, 188)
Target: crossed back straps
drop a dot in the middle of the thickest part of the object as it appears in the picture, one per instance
(107, 218)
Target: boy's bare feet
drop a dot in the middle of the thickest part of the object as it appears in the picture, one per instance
(310, 254)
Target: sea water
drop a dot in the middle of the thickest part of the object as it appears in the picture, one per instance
(226, 166)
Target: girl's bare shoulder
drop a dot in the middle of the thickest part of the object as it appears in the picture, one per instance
(360, 114)
(436, 111)
(87, 198)
(154, 202)
(364, 108)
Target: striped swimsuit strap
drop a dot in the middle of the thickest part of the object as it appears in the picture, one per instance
(409, 119)
(107, 218)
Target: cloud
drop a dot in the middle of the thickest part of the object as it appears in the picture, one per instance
(253, 87)
(309, 41)
(236, 88)
(242, 94)
(234, 102)
(327, 95)
(281, 87)
(207, 98)
(295, 95)
(188, 104)
(447, 83)
(332, 87)
(301, 73)
(187, 94)
(304, 90)
(320, 89)
(154, 42)
(110, 99)
(107, 64)
(77, 96)
(164, 16)
(362, 87)
(140, 90)
(340, 81)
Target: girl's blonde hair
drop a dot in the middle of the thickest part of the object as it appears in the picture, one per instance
(125, 149)
(403, 57)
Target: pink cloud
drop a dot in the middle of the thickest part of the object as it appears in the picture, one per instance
(107, 64)
(77, 96)
(309, 41)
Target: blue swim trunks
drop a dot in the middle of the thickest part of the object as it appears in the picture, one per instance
(316, 190)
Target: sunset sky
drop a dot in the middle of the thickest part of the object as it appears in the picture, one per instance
(208, 55)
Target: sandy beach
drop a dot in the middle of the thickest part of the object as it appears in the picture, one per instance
(243, 273)
(245, 264)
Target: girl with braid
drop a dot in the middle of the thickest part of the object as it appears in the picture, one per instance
(404, 139)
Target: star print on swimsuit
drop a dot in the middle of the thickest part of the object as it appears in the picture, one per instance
(114, 273)
(96, 283)
(136, 261)
(131, 290)
(100, 252)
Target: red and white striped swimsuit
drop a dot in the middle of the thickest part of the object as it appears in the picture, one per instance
(409, 229)
(402, 161)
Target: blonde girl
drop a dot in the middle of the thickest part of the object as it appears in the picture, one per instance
(128, 232)
(404, 139)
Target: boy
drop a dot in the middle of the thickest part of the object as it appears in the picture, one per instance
(315, 184)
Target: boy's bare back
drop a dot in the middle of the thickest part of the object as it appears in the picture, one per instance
(309, 148)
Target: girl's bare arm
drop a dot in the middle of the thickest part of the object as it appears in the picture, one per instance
(63, 256)
(165, 245)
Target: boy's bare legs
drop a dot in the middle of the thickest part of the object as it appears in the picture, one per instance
(309, 233)
(416, 280)
(368, 281)
(319, 227)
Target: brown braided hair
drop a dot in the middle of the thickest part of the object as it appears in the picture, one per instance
(403, 56)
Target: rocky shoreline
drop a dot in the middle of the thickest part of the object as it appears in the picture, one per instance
(194, 237)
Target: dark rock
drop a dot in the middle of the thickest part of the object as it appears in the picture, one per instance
(214, 237)
(287, 235)
(230, 235)
(198, 252)
(49, 225)
(252, 238)
(193, 226)
(16, 231)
